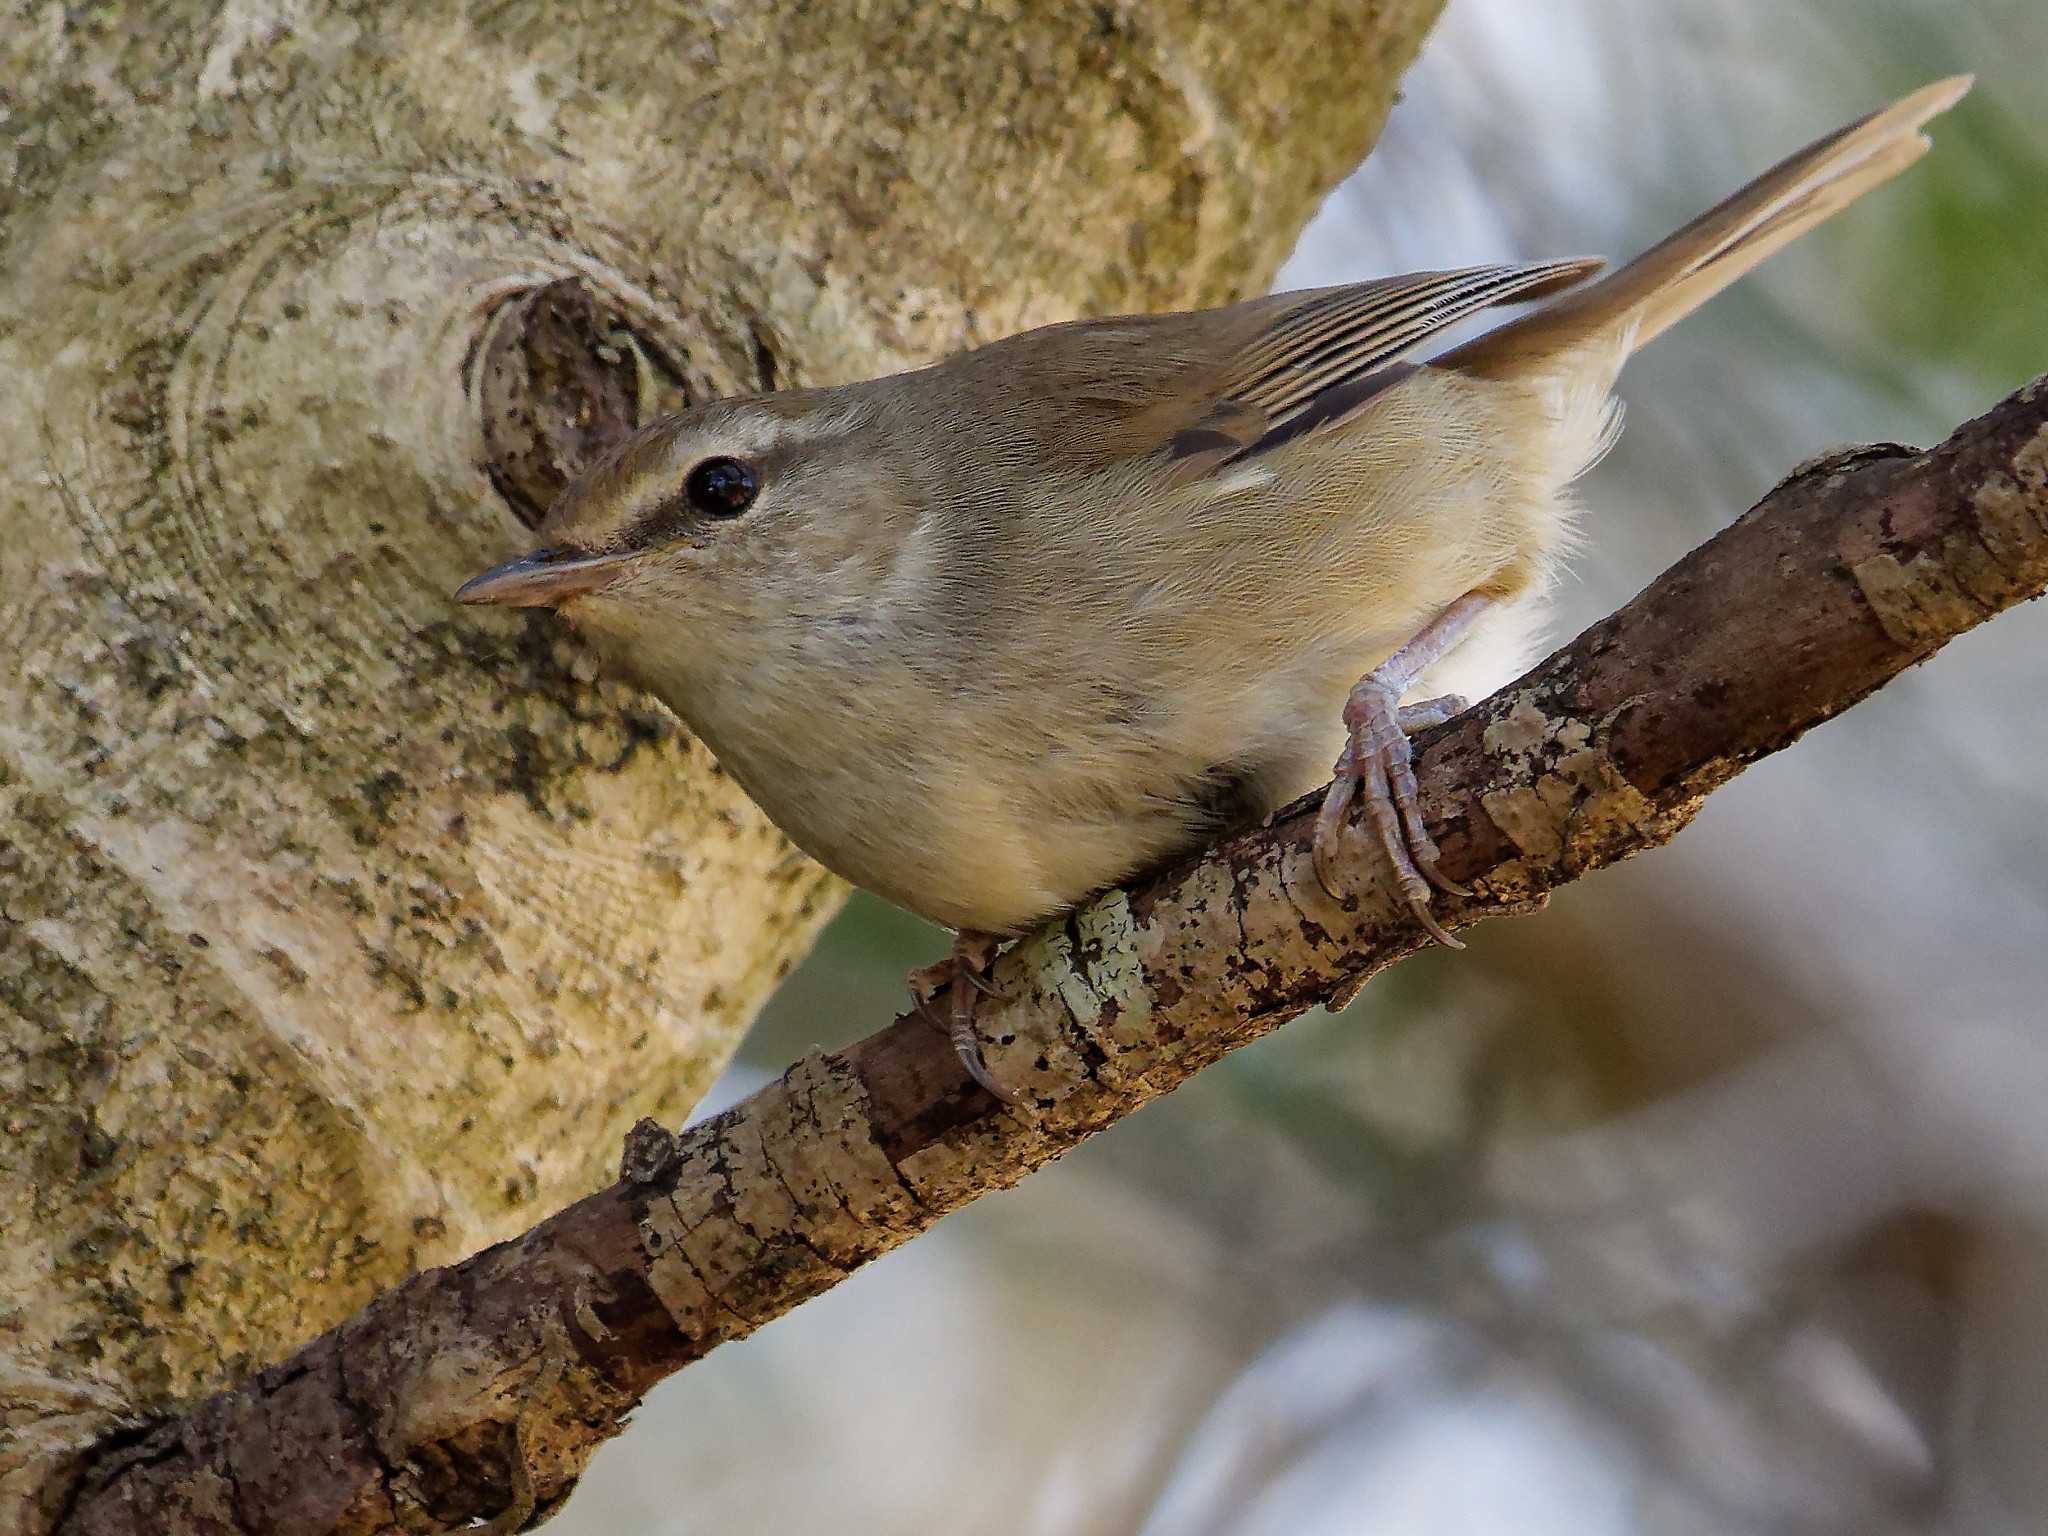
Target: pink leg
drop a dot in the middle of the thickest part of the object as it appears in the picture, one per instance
(1378, 759)
(962, 974)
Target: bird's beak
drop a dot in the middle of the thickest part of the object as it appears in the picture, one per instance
(544, 578)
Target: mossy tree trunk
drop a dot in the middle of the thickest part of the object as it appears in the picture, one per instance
(341, 931)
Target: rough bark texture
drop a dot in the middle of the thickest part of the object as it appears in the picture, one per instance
(339, 929)
(481, 1390)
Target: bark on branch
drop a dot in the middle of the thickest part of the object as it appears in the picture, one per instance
(482, 1389)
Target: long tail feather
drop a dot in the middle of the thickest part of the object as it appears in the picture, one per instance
(1668, 282)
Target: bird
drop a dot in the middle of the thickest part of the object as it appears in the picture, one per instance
(991, 636)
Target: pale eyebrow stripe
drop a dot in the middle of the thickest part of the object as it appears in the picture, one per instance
(656, 493)
(656, 496)
(779, 431)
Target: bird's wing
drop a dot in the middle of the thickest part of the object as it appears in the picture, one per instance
(1308, 360)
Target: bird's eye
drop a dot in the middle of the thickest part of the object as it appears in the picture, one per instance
(722, 487)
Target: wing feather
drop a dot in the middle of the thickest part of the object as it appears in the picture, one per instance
(1316, 360)
(1188, 394)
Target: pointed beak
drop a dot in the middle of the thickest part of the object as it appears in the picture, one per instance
(544, 578)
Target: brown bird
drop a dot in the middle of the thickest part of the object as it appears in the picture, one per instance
(991, 636)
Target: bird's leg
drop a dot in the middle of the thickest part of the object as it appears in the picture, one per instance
(1378, 760)
(959, 976)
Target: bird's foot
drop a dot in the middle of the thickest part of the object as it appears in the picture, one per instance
(957, 978)
(1378, 765)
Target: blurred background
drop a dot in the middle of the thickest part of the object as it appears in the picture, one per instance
(1714, 1198)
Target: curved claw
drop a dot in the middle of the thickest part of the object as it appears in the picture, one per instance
(969, 1052)
(967, 1046)
(1437, 877)
(959, 1030)
(1432, 927)
(1330, 822)
(1420, 851)
(921, 1003)
(959, 977)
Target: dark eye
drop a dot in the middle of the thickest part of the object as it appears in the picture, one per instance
(722, 487)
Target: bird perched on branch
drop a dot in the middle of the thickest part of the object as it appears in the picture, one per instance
(993, 635)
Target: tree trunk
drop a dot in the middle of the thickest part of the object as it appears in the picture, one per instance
(341, 931)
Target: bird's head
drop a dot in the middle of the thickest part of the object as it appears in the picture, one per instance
(735, 527)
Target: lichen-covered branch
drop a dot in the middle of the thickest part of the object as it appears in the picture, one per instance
(484, 1387)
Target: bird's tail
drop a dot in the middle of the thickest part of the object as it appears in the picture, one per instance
(1668, 282)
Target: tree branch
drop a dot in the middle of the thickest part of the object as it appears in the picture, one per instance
(485, 1387)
